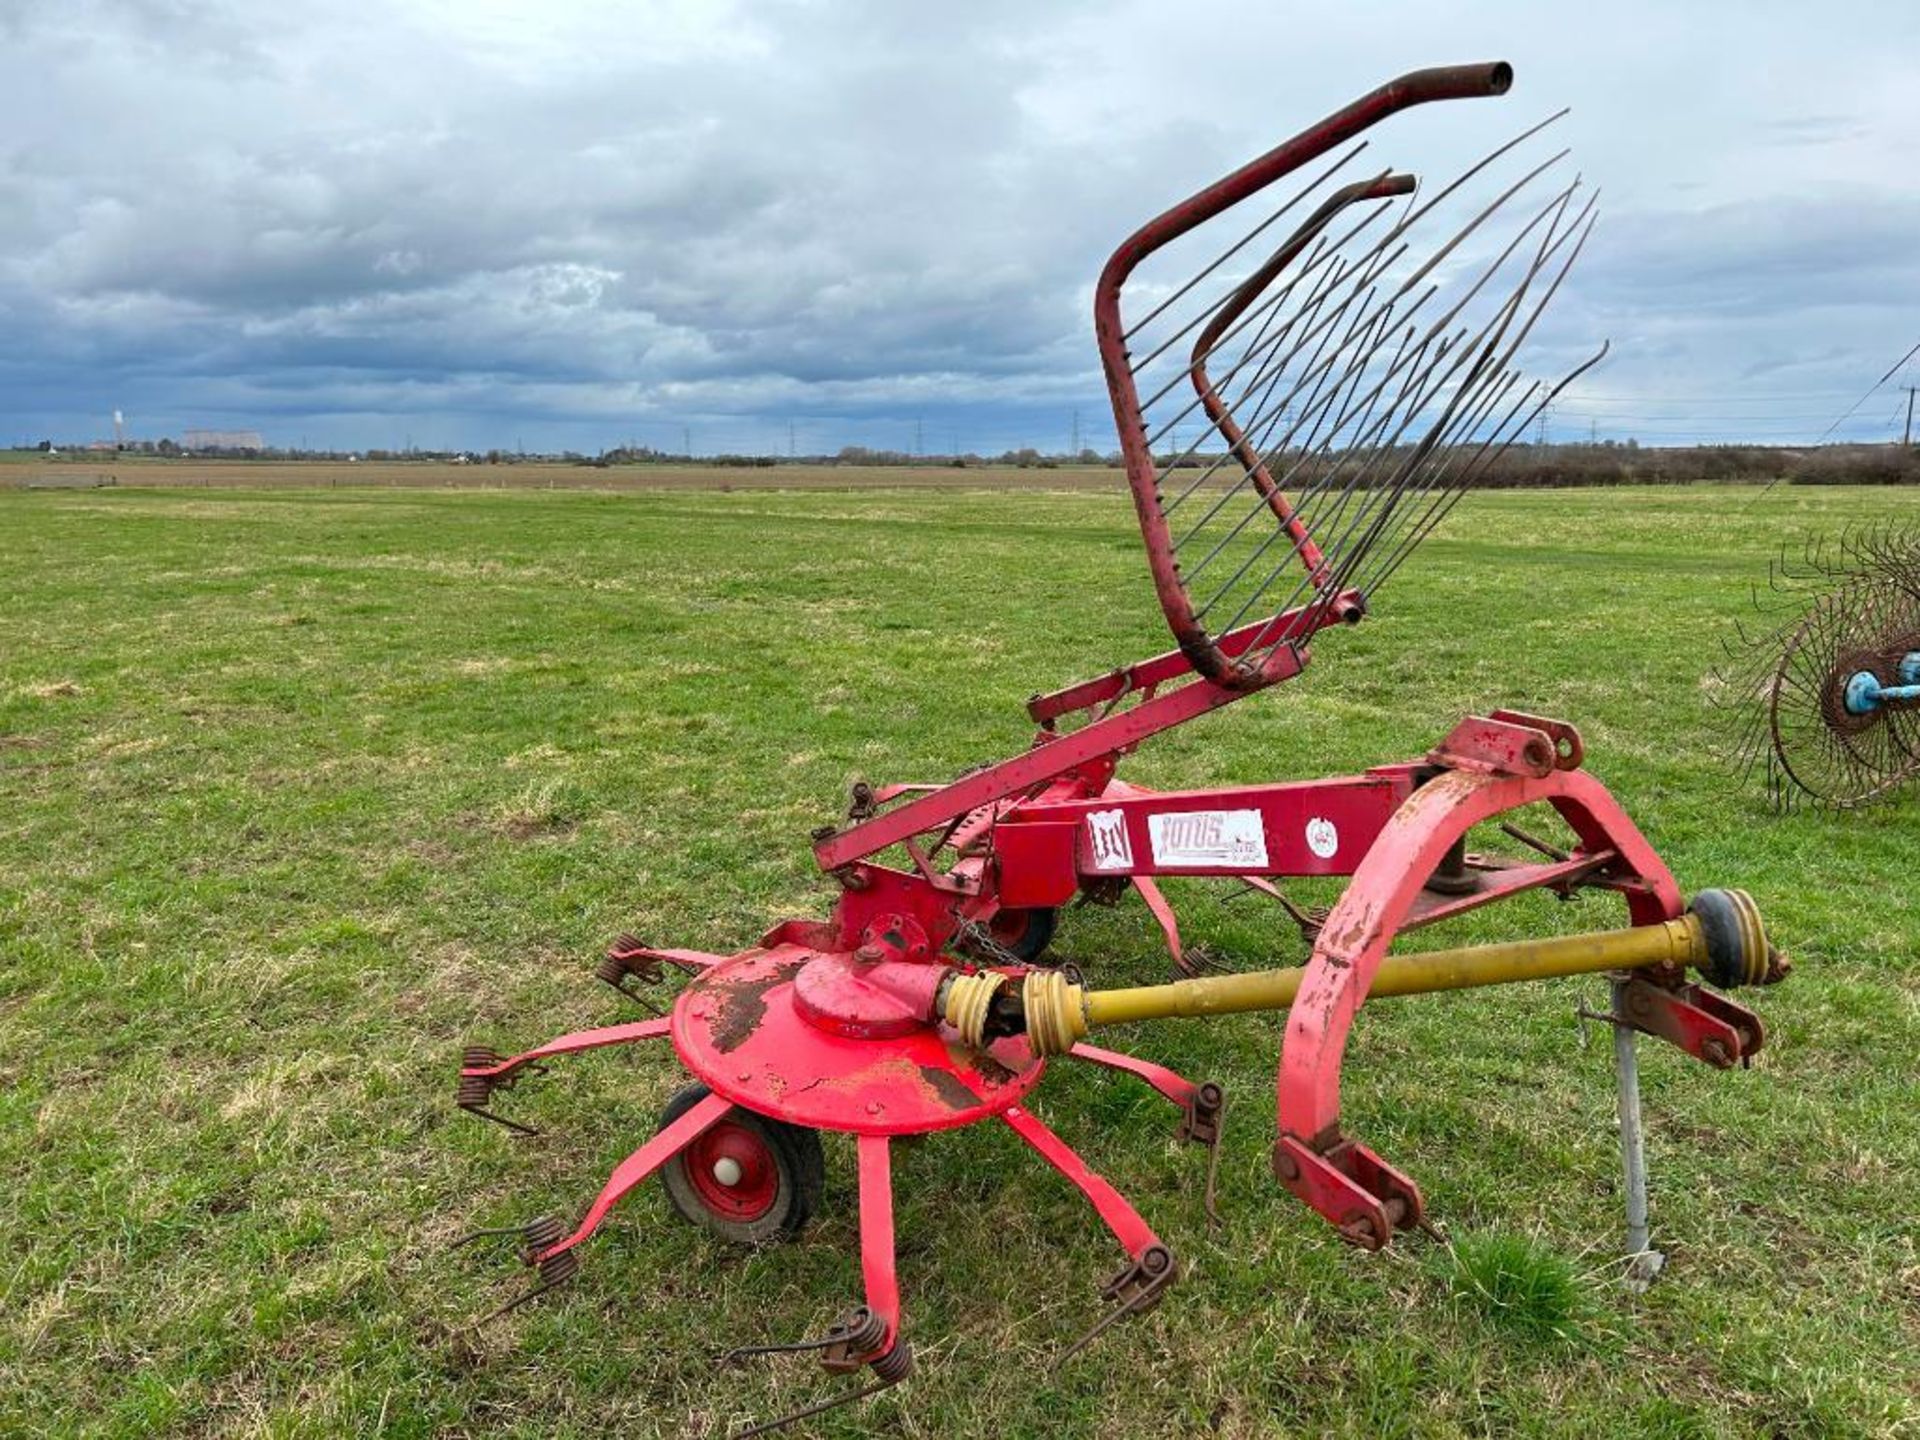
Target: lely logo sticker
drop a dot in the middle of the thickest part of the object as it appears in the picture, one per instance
(1107, 839)
(1322, 839)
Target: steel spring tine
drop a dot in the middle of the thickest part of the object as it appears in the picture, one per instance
(1271, 371)
(1209, 1200)
(1312, 520)
(1322, 254)
(1323, 261)
(1383, 503)
(1351, 553)
(1491, 209)
(1267, 415)
(1439, 480)
(1211, 342)
(1545, 399)
(1443, 492)
(1301, 508)
(766, 1427)
(791, 1347)
(519, 1300)
(1445, 495)
(1358, 275)
(1478, 394)
(1100, 1327)
(859, 1328)
(1304, 500)
(1305, 190)
(1416, 215)
(1338, 274)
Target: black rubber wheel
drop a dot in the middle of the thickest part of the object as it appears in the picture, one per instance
(749, 1179)
(1024, 934)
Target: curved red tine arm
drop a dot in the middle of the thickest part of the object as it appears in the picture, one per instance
(1453, 82)
(1250, 459)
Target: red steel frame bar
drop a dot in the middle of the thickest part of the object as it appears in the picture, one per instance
(576, 1042)
(702, 1117)
(1146, 676)
(1133, 1233)
(1110, 735)
(876, 1236)
(1383, 893)
(1446, 83)
(1175, 1087)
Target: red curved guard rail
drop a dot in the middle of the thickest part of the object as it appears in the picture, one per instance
(1452, 82)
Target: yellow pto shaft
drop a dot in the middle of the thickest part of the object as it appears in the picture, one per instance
(1721, 935)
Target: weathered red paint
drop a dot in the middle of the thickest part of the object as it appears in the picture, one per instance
(876, 1237)
(739, 1029)
(1381, 897)
(1705, 1025)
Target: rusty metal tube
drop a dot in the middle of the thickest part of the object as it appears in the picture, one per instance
(1059, 1013)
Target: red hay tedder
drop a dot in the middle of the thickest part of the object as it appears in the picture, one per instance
(1347, 369)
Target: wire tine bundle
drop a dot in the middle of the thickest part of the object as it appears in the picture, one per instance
(1299, 413)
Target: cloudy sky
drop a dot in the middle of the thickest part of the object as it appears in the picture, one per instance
(569, 224)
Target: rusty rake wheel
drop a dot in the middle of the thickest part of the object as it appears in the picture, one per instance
(1839, 754)
(1823, 700)
(1302, 402)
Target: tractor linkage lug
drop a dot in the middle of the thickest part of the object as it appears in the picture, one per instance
(1364, 1197)
(1706, 1025)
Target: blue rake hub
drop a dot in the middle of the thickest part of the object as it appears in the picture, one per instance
(1865, 694)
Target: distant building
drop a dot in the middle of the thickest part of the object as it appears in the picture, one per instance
(222, 440)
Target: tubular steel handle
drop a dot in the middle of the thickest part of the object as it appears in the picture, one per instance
(1450, 82)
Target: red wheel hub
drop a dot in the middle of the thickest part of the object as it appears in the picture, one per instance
(1009, 927)
(733, 1171)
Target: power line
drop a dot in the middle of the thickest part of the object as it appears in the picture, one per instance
(1875, 386)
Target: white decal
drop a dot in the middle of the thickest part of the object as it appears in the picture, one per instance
(1322, 839)
(1107, 838)
(1224, 839)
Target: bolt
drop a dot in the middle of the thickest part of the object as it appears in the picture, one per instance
(1285, 1166)
(1360, 1232)
(1714, 1051)
(870, 954)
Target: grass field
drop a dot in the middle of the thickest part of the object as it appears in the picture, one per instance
(302, 791)
(84, 470)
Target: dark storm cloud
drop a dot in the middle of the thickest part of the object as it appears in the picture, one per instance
(582, 222)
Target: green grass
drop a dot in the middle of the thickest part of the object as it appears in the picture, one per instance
(301, 792)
